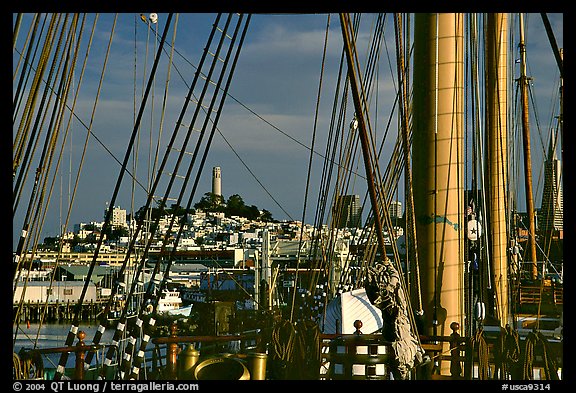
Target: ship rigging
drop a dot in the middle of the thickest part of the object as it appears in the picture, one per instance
(437, 305)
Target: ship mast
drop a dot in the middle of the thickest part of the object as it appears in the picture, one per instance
(523, 80)
(496, 132)
(438, 168)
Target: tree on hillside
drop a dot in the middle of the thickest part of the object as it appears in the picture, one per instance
(210, 202)
(266, 216)
(235, 205)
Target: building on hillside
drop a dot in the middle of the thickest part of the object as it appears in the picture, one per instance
(347, 212)
(395, 209)
(119, 218)
(217, 181)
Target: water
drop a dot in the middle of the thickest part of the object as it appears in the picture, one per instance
(54, 336)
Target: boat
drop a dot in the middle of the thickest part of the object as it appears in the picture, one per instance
(170, 302)
(336, 299)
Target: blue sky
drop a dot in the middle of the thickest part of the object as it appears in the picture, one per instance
(277, 77)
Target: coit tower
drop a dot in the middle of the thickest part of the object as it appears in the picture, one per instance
(216, 181)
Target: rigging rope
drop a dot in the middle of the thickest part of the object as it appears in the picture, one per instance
(27, 365)
(218, 112)
(26, 119)
(283, 336)
(480, 347)
(282, 348)
(59, 159)
(404, 110)
(140, 222)
(74, 328)
(314, 129)
(307, 350)
(507, 353)
(536, 340)
(23, 75)
(42, 172)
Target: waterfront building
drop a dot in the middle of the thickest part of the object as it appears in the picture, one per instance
(52, 292)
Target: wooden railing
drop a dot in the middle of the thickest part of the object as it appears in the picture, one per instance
(461, 353)
(79, 350)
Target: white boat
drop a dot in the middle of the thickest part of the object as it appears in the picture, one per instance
(169, 301)
(184, 311)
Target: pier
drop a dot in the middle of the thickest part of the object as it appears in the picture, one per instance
(61, 311)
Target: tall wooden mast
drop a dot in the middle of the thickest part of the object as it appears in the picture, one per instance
(496, 131)
(438, 120)
(527, 155)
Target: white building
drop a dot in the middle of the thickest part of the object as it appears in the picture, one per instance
(395, 209)
(119, 217)
(217, 181)
(58, 291)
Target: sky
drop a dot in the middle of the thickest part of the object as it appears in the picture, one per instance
(266, 127)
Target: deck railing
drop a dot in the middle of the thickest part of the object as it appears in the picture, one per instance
(462, 353)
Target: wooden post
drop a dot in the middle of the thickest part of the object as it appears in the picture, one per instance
(172, 355)
(455, 365)
(358, 325)
(80, 355)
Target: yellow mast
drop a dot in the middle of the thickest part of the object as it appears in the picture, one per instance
(496, 131)
(438, 120)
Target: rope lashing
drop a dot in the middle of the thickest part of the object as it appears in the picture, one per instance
(535, 340)
(481, 349)
(507, 352)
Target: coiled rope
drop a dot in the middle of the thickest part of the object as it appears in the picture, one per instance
(481, 348)
(283, 335)
(16, 367)
(282, 349)
(307, 350)
(533, 340)
(507, 353)
(27, 365)
(295, 351)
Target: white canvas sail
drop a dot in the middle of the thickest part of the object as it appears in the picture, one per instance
(350, 306)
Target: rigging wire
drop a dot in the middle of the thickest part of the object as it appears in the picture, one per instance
(40, 174)
(368, 154)
(165, 242)
(26, 118)
(234, 151)
(24, 76)
(95, 136)
(391, 177)
(403, 115)
(70, 204)
(314, 130)
(260, 117)
(325, 181)
(218, 112)
(29, 37)
(140, 220)
(74, 328)
(55, 125)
